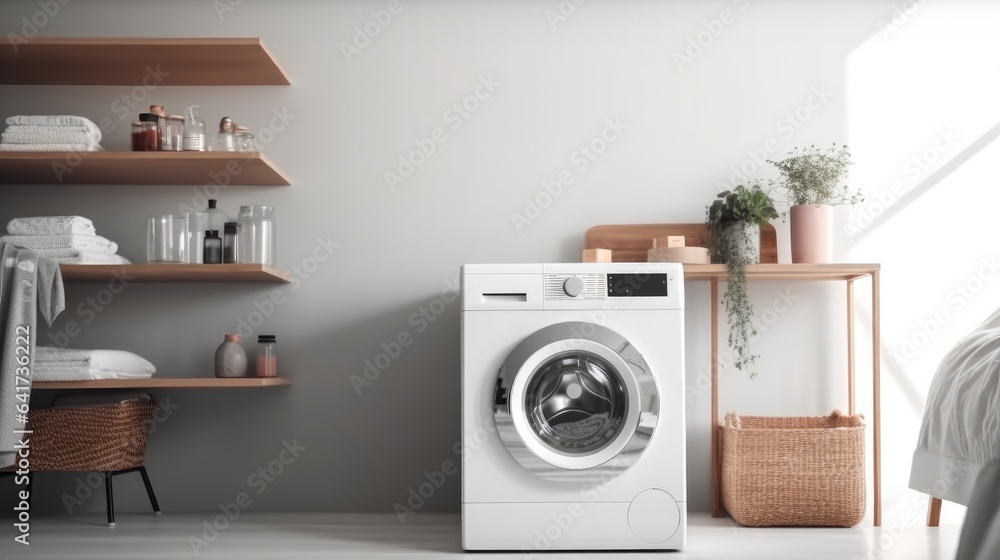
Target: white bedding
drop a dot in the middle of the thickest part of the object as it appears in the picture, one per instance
(961, 426)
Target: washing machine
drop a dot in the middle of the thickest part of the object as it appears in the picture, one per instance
(573, 431)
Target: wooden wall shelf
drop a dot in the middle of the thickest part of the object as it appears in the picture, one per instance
(173, 273)
(131, 61)
(165, 383)
(138, 168)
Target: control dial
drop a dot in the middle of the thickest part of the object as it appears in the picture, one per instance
(573, 286)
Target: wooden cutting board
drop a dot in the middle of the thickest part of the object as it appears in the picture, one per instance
(629, 242)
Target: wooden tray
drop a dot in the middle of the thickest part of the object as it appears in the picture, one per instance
(629, 242)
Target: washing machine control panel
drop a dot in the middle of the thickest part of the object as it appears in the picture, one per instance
(637, 285)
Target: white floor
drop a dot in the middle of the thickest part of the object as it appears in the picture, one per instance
(294, 536)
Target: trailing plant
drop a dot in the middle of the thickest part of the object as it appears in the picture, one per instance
(731, 242)
(813, 176)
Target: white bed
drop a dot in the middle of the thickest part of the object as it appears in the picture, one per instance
(960, 433)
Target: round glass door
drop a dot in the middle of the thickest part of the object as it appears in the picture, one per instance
(575, 399)
(576, 403)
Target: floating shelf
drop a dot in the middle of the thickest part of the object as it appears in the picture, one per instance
(135, 61)
(165, 383)
(173, 273)
(835, 271)
(138, 168)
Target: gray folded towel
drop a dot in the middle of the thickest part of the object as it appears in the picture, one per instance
(93, 243)
(54, 120)
(51, 225)
(81, 147)
(49, 134)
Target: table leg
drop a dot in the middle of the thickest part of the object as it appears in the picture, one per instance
(933, 512)
(877, 399)
(850, 348)
(716, 482)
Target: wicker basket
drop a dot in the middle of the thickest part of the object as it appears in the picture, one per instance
(96, 439)
(794, 471)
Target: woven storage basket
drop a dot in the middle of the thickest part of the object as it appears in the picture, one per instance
(95, 439)
(794, 470)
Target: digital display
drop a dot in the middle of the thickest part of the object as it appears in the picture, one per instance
(637, 285)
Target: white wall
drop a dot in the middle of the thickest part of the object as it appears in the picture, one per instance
(779, 74)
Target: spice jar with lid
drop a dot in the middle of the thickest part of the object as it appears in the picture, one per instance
(155, 120)
(243, 140)
(267, 357)
(225, 141)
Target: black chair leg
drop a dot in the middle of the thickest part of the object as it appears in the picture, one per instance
(109, 491)
(149, 490)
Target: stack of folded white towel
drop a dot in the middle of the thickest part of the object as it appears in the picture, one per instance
(50, 133)
(67, 239)
(65, 364)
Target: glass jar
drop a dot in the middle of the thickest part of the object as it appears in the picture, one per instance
(198, 223)
(257, 238)
(243, 139)
(144, 136)
(167, 239)
(267, 356)
(194, 131)
(174, 134)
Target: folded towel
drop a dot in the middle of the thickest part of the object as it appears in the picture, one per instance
(81, 147)
(47, 373)
(43, 134)
(51, 225)
(55, 120)
(98, 360)
(92, 243)
(76, 256)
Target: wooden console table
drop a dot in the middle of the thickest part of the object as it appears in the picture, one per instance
(629, 243)
(848, 273)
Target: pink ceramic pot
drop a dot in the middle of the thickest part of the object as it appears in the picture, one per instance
(812, 233)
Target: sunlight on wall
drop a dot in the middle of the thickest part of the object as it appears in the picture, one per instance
(923, 106)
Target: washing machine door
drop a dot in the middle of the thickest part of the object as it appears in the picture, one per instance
(575, 401)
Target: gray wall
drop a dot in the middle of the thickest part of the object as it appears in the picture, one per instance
(688, 122)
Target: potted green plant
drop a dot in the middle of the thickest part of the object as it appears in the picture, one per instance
(812, 182)
(734, 220)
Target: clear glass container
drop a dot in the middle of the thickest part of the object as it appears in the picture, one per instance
(243, 139)
(167, 239)
(257, 237)
(267, 356)
(197, 224)
(225, 142)
(194, 131)
(173, 134)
